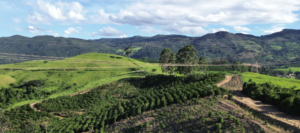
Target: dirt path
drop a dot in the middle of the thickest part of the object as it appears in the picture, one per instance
(267, 110)
(227, 79)
(32, 105)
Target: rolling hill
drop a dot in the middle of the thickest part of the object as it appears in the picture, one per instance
(280, 48)
(50, 79)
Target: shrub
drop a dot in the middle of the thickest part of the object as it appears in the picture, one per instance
(210, 114)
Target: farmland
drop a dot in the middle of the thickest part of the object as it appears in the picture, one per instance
(260, 78)
(68, 76)
(293, 69)
(104, 93)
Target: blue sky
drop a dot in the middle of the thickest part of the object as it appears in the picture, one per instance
(94, 19)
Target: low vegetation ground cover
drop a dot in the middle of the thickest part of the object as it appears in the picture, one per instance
(260, 78)
(121, 103)
(34, 81)
(287, 99)
(203, 115)
(293, 69)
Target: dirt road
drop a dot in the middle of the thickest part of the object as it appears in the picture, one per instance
(227, 79)
(268, 110)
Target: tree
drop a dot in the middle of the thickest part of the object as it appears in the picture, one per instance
(128, 51)
(236, 66)
(202, 62)
(4, 121)
(172, 60)
(28, 126)
(164, 59)
(187, 56)
(290, 71)
(45, 126)
(144, 58)
(224, 61)
(244, 68)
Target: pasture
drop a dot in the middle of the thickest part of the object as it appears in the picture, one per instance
(260, 78)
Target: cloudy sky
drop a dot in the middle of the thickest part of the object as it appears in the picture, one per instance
(94, 19)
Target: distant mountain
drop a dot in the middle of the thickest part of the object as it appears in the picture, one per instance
(276, 48)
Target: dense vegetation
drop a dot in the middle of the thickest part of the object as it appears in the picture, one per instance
(281, 47)
(287, 99)
(260, 78)
(122, 104)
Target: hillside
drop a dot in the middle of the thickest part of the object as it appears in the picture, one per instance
(279, 48)
(260, 78)
(50, 79)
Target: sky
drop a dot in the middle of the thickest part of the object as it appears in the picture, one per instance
(95, 19)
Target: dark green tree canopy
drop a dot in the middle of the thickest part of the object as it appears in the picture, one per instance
(202, 62)
(128, 51)
(187, 56)
(164, 59)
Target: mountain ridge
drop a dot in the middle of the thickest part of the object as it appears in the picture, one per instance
(276, 47)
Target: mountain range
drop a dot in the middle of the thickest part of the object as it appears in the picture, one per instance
(277, 48)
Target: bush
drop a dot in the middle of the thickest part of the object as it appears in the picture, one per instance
(218, 126)
(210, 114)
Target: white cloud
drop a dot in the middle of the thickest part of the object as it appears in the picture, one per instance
(239, 28)
(71, 30)
(38, 30)
(217, 30)
(32, 29)
(274, 28)
(189, 14)
(123, 36)
(16, 20)
(60, 11)
(37, 18)
(244, 32)
(108, 31)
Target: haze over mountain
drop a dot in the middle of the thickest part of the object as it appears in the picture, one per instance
(280, 46)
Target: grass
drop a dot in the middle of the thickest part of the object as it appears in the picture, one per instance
(293, 69)
(134, 50)
(6, 80)
(80, 73)
(260, 78)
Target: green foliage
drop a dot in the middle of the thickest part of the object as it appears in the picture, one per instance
(210, 114)
(162, 96)
(202, 62)
(260, 78)
(287, 99)
(187, 56)
(218, 126)
(128, 51)
(164, 59)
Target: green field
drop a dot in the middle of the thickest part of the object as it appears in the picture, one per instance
(293, 69)
(260, 78)
(72, 75)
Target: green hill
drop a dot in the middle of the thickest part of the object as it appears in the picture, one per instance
(280, 48)
(50, 79)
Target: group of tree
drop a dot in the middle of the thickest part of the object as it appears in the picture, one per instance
(184, 62)
(160, 93)
(152, 99)
(287, 99)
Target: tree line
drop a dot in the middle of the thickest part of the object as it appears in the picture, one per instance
(287, 99)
